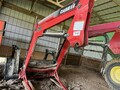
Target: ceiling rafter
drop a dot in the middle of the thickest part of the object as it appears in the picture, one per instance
(20, 9)
(57, 2)
(96, 15)
(33, 4)
(116, 3)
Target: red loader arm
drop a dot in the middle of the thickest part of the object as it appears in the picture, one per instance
(80, 10)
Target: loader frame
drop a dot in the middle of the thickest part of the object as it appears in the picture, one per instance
(77, 35)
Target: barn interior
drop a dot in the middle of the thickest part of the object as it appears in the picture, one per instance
(81, 68)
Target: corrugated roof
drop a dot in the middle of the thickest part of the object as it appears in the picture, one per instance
(107, 10)
(104, 11)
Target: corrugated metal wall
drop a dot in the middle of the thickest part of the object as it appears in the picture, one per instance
(19, 26)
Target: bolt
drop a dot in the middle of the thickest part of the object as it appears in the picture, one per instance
(79, 6)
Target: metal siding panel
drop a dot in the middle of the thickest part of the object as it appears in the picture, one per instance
(30, 26)
(5, 42)
(17, 23)
(20, 15)
(6, 18)
(24, 17)
(13, 29)
(2, 17)
(16, 14)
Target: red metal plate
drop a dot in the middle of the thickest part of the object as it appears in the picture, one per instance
(101, 29)
(115, 43)
(2, 26)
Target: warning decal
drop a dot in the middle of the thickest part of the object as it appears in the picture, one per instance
(79, 25)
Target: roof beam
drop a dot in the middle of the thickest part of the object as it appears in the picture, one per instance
(57, 3)
(25, 11)
(32, 5)
(1, 3)
(116, 3)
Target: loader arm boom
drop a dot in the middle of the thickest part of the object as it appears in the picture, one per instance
(101, 29)
(81, 11)
(98, 30)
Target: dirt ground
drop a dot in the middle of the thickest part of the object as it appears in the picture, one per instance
(83, 78)
(75, 78)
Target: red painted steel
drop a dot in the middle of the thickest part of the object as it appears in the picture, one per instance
(80, 10)
(114, 43)
(2, 26)
(101, 29)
